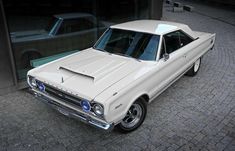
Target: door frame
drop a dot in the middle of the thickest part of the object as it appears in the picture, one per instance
(7, 43)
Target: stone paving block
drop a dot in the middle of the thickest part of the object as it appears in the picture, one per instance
(220, 146)
(226, 140)
(199, 137)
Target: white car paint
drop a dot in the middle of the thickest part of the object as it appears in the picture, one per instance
(117, 81)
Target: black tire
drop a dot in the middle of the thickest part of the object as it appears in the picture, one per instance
(140, 104)
(195, 68)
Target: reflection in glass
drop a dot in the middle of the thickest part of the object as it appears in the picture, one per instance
(129, 43)
(42, 31)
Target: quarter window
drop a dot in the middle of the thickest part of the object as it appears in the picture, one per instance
(174, 41)
(184, 39)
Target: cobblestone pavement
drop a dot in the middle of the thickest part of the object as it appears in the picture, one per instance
(193, 114)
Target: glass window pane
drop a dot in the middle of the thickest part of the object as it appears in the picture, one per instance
(184, 39)
(42, 31)
(135, 44)
(172, 41)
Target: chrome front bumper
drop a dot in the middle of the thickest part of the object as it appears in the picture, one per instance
(72, 113)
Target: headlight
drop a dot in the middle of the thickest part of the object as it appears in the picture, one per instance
(85, 105)
(32, 81)
(41, 86)
(98, 109)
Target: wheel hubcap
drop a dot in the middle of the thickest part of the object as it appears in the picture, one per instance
(133, 116)
(197, 65)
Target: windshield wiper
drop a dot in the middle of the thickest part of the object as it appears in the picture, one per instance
(116, 53)
(126, 55)
(100, 49)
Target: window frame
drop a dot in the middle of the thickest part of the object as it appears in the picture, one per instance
(157, 46)
(56, 27)
(161, 42)
(191, 38)
(178, 37)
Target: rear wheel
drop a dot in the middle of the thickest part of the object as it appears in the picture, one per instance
(134, 117)
(195, 68)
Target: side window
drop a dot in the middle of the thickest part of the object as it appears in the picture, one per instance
(75, 25)
(172, 41)
(184, 39)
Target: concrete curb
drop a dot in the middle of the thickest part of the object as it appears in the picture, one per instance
(188, 8)
(177, 4)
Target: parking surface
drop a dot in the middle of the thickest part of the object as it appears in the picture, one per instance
(193, 114)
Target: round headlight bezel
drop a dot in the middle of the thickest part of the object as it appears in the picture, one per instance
(33, 82)
(41, 86)
(86, 106)
(98, 109)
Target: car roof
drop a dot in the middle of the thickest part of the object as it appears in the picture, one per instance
(73, 15)
(154, 27)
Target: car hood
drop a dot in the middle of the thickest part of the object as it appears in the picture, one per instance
(87, 73)
(28, 35)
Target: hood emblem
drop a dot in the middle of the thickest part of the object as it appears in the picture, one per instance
(62, 80)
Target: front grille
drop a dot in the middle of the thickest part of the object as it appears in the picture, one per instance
(64, 97)
(69, 99)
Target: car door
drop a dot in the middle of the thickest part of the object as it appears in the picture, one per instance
(187, 49)
(170, 68)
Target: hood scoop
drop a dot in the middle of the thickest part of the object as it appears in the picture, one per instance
(81, 74)
(94, 68)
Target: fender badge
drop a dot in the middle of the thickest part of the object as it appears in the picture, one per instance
(115, 93)
(118, 106)
(62, 80)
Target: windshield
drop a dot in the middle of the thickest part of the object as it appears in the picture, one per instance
(129, 43)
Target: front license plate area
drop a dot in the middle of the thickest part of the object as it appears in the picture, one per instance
(62, 111)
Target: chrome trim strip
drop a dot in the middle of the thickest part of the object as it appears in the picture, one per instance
(170, 83)
(69, 96)
(72, 113)
(78, 73)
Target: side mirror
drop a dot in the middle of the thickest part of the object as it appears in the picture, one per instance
(166, 56)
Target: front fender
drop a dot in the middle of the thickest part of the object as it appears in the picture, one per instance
(119, 107)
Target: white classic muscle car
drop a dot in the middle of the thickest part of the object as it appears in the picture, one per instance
(111, 83)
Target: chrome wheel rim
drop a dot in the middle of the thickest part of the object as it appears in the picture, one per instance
(197, 65)
(133, 116)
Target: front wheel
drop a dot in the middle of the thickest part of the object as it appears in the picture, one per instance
(134, 117)
(195, 68)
